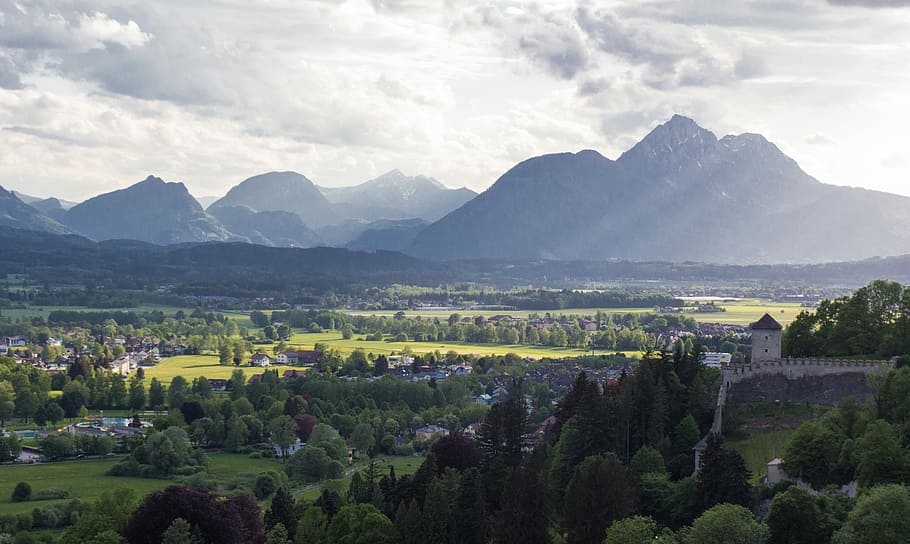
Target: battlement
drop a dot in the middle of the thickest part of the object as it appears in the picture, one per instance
(796, 368)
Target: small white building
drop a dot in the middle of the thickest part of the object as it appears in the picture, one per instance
(400, 360)
(260, 359)
(716, 359)
(776, 472)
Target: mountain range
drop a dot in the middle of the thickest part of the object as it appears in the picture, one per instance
(680, 194)
(283, 209)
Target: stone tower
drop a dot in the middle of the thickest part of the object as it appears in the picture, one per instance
(766, 336)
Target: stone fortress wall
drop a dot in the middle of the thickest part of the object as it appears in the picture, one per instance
(776, 379)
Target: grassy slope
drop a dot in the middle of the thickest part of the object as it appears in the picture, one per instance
(87, 479)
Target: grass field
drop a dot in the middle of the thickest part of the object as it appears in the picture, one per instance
(87, 479)
(403, 466)
(334, 340)
(193, 366)
(760, 447)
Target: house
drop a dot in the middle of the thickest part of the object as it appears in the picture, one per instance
(304, 357)
(716, 359)
(471, 430)
(54, 342)
(429, 432)
(588, 325)
(292, 449)
(486, 400)
(291, 374)
(15, 341)
(260, 359)
(399, 360)
(218, 384)
(4, 349)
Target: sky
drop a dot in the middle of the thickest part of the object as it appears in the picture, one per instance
(95, 95)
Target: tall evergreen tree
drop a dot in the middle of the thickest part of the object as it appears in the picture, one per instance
(282, 512)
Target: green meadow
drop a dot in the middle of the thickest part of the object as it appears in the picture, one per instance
(194, 366)
(87, 479)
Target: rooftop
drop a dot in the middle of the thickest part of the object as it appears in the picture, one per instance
(766, 323)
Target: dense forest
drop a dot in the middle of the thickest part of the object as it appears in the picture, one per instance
(873, 321)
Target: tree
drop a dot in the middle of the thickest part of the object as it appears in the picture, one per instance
(456, 451)
(281, 512)
(9, 447)
(22, 492)
(723, 477)
(725, 524)
(362, 438)
(281, 431)
(881, 457)
(634, 530)
(361, 524)
(234, 520)
(110, 514)
(312, 527)
(795, 518)
(881, 516)
(178, 532)
(137, 394)
(812, 453)
(600, 492)
(647, 460)
(156, 394)
(178, 392)
(277, 535)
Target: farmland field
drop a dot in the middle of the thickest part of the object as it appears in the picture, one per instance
(193, 366)
(87, 479)
(333, 339)
(738, 312)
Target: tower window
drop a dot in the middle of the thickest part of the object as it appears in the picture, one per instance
(766, 337)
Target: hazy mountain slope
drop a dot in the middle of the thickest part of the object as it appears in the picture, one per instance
(281, 191)
(388, 234)
(149, 211)
(276, 228)
(679, 194)
(17, 214)
(32, 200)
(394, 195)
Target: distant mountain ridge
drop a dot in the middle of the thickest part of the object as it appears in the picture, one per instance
(283, 192)
(150, 211)
(17, 214)
(680, 195)
(395, 195)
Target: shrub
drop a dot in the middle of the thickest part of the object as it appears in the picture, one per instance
(51, 493)
(22, 492)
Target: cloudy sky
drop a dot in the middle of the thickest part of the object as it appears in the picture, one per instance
(95, 95)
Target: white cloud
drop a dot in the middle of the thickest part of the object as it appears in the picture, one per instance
(95, 94)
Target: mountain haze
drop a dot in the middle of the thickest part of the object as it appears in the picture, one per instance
(395, 195)
(388, 234)
(282, 192)
(275, 228)
(17, 214)
(681, 195)
(150, 211)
